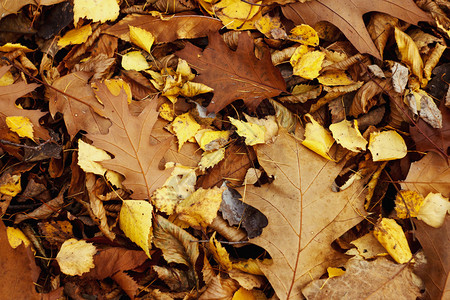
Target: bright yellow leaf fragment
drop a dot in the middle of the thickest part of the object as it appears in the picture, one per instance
(75, 36)
(393, 239)
(236, 14)
(142, 38)
(220, 253)
(7, 79)
(334, 272)
(317, 138)
(434, 210)
(134, 60)
(16, 237)
(185, 127)
(253, 133)
(76, 257)
(115, 86)
(20, 125)
(166, 112)
(11, 185)
(409, 52)
(270, 27)
(334, 78)
(209, 139)
(9, 47)
(135, 220)
(184, 70)
(309, 65)
(413, 201)
(191, 89)
(95, 10)
(387, 145)
(304, 34)
(210, 159)
(298, 54)
(251, 266)
(200, 208)
(243, 294)
(347, 134)
(269, 123)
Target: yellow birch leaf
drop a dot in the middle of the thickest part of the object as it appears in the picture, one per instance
(347, 134)
(184, 70)
(236, 14)
(433, 59)
(269, 123)
(270, 27)
(76, 257)
(134, 60)
(243, 294)
(185, 127)
(333, 78)
(16, 237)
(20, 125)
(209, 139)
(317, 138)
(251, 266)
(309, 65)
(200, 208)
(253, 133)
(12, 186)
(75, 36)
(413, 200)
(210, 159)
(89, 156)
(7, 79)
(142, 38)
(434, 210)
(191, 89)
(368, 246)
(298, 54)
(387, 145)
(335, 272)
(409, 52)
(220, 253)
(135, 220)
(115, 86)
(304, 34)
(95, 10)
(393, 239)
(9, 47)
(157, 79)
(166, 112)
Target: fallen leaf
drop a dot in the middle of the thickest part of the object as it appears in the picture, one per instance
(409, 53)
(368, 247)
(387, 145)
(185, 128)
(75, 36)
(393, 239)
(211, 158)
(16, 237)
(220, 253)
(347, 134)
(104, 10)
(234, 74)
(434, 210)
(76, 257)
(134, 60)
(253, 133)
(317, 138)
(219, 288)
(142, 38)
(408, 204)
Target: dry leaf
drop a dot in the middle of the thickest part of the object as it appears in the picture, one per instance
(105, 10)
(393, 239)
(76, 257)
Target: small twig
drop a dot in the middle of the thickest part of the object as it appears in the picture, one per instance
(38, 147)
(223, 242)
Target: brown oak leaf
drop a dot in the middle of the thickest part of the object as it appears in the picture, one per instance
(347, 15)
(234, 74)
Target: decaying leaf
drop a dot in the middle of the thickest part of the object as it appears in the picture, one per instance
(76, 257)
(393, 239)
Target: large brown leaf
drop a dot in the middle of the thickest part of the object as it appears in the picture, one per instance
(347, 16)
(234, 74)
(129, 140)
(304, 215)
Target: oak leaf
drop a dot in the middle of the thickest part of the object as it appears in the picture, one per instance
(234, 74)
(304, 215)
(347, 16)
(129, 140)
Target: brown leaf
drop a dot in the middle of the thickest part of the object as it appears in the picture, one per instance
(12, 7)
(77, 115)
(219, 288)
(367, 280)
(129, 141)
(166, 30)
(304, 215)
(44, 211)
(347, 16)
(436, 245)
(234, 74)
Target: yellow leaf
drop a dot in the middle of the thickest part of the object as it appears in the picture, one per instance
(134, 60)
(95, 10)
(210, 140)
(16, 237)
(317, 138)
(141, 38)
(166, 112)
(409, 52)
(75, 36)
(220, 253)
(191, 89)
(413, 200)
(184, 70)
(309, 65)
(270, 27)
(304, 34)
(393, 239)
(387, 145)
(298, 54)
(251, 266)
(20, 125)
(11, 186)
(9, 47)
(185, 127)
(347, 134)
(243, 294)
(115, 86)
(200, 208)
(236, 14)
(269, 123)
(335, 272)
(253, 133)
(210, 159)
(333, 78)
(434, 210)
(136, 222)
(76, 257)
(433, 59)
(7, 79)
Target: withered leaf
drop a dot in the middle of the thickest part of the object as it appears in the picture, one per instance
(234, 74)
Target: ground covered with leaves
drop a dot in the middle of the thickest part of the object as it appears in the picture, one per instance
(224, 149)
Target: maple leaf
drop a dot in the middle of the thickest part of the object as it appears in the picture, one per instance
(304, 215)
(129, 140)
(234, 74)
(8, 96)
(347, 15)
